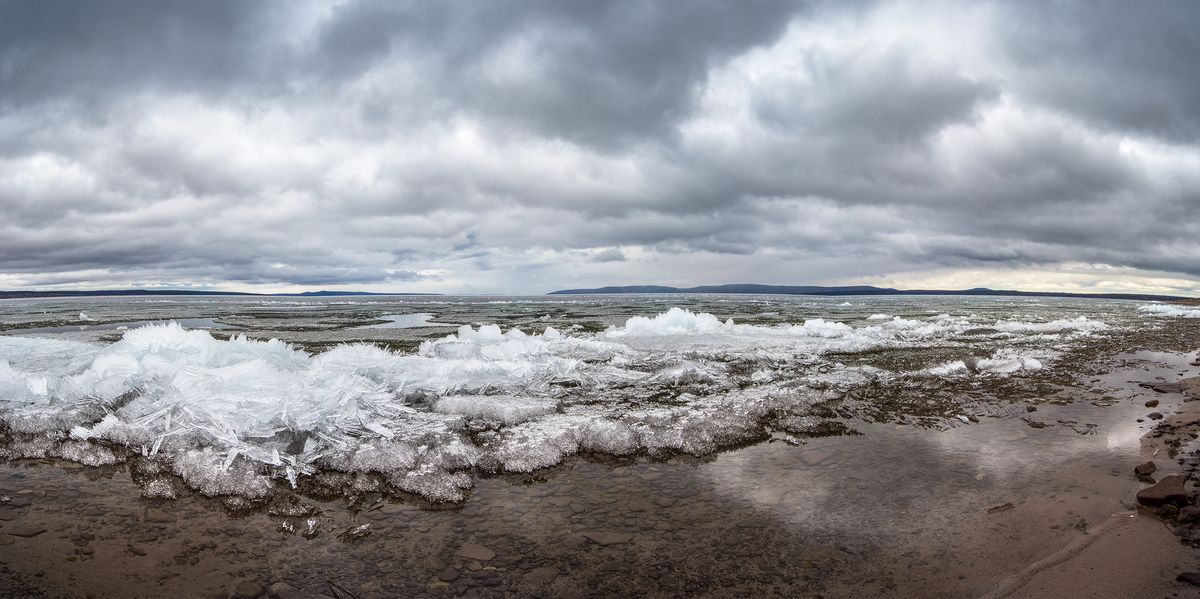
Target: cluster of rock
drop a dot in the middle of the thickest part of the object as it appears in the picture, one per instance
(1170, 496)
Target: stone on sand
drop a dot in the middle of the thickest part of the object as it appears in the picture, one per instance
(542, 575)
(247, 590)
(1144, 469)
(475, 551)
(1168, 490)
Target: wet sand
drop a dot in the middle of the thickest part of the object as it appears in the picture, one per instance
(1022, 507)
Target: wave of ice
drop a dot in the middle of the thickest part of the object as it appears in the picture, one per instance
(1170, 310)
(228, 415)
(1080, 323)
(1005, 361)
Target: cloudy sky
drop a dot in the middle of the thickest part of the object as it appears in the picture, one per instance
(528, 146)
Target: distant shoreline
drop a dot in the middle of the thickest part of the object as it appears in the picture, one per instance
(161, 292)
(745, 289)
(817, 290)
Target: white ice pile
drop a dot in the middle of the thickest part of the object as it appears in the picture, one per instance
(1005, 361)
(681, 330)
(1079, 324)
(1171, 310)
(228, 415)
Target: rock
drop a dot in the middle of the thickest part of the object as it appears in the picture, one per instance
(27, 531)
(449, 575)
(488, 578)
(1162, 387)
(608, 538)
(158, 516)
(1036, 424)
(1145, 469)
(247, 590)
(476, 552)
(1030, 408)
(1192, 578)
(1188, 515)
(542, 575)
(1154, 415)
(1168, 490)
(1152, 403)
(283, 590)
(134, 549)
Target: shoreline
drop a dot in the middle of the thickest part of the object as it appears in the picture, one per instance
(967, 509)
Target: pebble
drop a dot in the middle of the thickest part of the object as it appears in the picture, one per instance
(1144, 469)
(247, 590)
(542, 575)
(1154, 415)
(1153, 403)
(475, 551)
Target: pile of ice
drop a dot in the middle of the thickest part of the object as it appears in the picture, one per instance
(227, 416)
(1170, 310)
(1006, 361)
(1079, 324)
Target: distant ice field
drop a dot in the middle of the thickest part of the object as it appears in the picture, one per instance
(422, 395)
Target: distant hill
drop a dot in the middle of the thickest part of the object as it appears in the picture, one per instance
(190, 292)
(751, 288)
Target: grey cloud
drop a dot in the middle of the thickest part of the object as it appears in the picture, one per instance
(1129, 66)
(601, 72)
(609, 255)
(380, 143)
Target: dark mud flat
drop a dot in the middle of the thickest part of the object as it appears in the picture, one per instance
(1041, 505)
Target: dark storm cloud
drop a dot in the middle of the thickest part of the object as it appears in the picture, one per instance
(1129, 66)
(474, 145)
(89, 51)
(599, 71)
